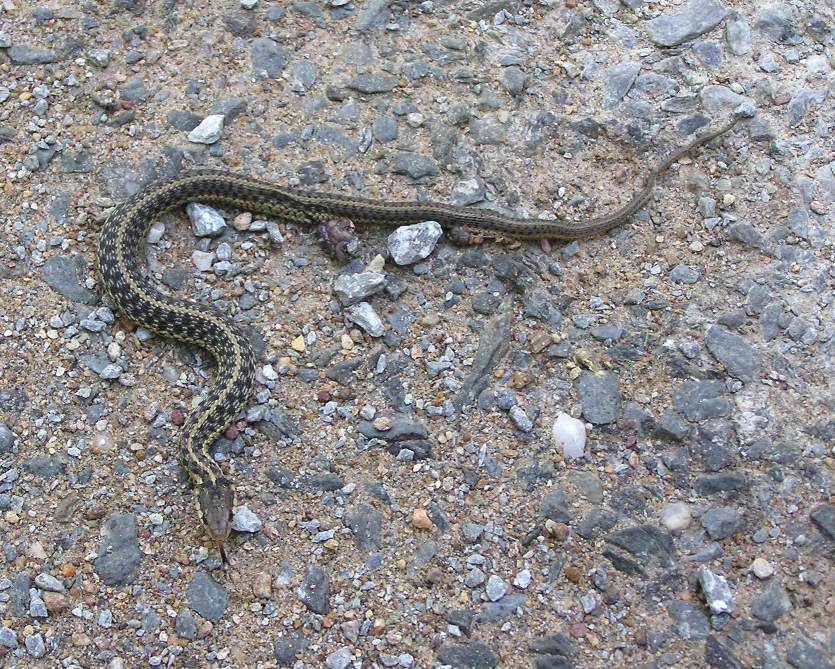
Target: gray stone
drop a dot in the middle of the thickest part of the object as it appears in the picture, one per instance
(647, 542)
(205, 221)
(366, 523)
(733, 351)
(414, 165)
(717, 593)
(718, 656)
(118, 551)
(800, 104)
(133, 90)
(738, 34)
(206, 596)
(245, 520)
(374, 83)
(695, 18)
(823, 517)
(494, 611)
(314, 591)
(352, 288)
(721, 522)
(411, 243)
(8, 638)
(365, 316)
(385, 129)
(267, 58)
(63, 275)
(35, 645)
(514, 80)
(288, 647)
(22, 54)
(468, 656)
(772, 603)
(186, 625)
(618, 79)
(804, 654)
(599, 397)
(339, 659)
(685, 274)
(690, 621)
(422, 556)
(496, 588)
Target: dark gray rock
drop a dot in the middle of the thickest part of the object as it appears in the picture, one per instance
(695, 18)
(23, 54)
(554, 644)
(267, 57)
(374, 83)
(721, 522)
(699, 400)
(514, 80)
(385, 129)
(468, 656)
(186, 625)
(772, 603)
(804, 654)
(76, 162)
(719, 656)
(823, 517)
(554, 507)
(423, 555)
(118, 550)
(46, 466)
(721, 483)
(315, 590)
(63, 275)
(595, 523)
(647, 542)
(690, 620)
(733, 351)
(206, 596)
(288, 647)
(618, 79)
(366, 524)
(599, 397)
(414, 165)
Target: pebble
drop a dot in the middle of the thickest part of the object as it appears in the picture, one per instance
(522, 579)
(410, 243)
(496, 588)
(695, 18)
(205, 221)
(364, 315)
(676, 517)
(245, 520)
(762, 568)
(569, 436)
(421, 520)
(717, 592)
(206, 596)
(208, 131)
(352, 288)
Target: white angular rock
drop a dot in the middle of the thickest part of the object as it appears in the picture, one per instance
(410, 243)
(569, 434)
(209, 130)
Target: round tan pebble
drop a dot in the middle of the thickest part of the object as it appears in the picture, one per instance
(298, 344)
(55, 601)
(572, 574)
(762, 568)
(242, 221)
(420, 520)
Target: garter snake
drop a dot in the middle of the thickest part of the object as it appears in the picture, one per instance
(123, 275)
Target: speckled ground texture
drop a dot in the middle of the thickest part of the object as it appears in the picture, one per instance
(403, 502)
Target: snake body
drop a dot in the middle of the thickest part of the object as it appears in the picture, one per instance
(122, 270)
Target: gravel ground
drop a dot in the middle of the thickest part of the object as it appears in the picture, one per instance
(408, 475)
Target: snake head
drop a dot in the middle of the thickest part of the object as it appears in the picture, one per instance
(215, 502)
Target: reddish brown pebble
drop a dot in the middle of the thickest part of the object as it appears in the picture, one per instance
(55, 601)
(178, 417)
(578, 630)
(94, 513)
(323, 396)
(573, 574)
(231, 432)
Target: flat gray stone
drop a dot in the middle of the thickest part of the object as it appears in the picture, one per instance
(599, 397)
(695, 18)
(206, 596)
(63, 274)
(618, 79)
(118, 551)
(733, 351)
